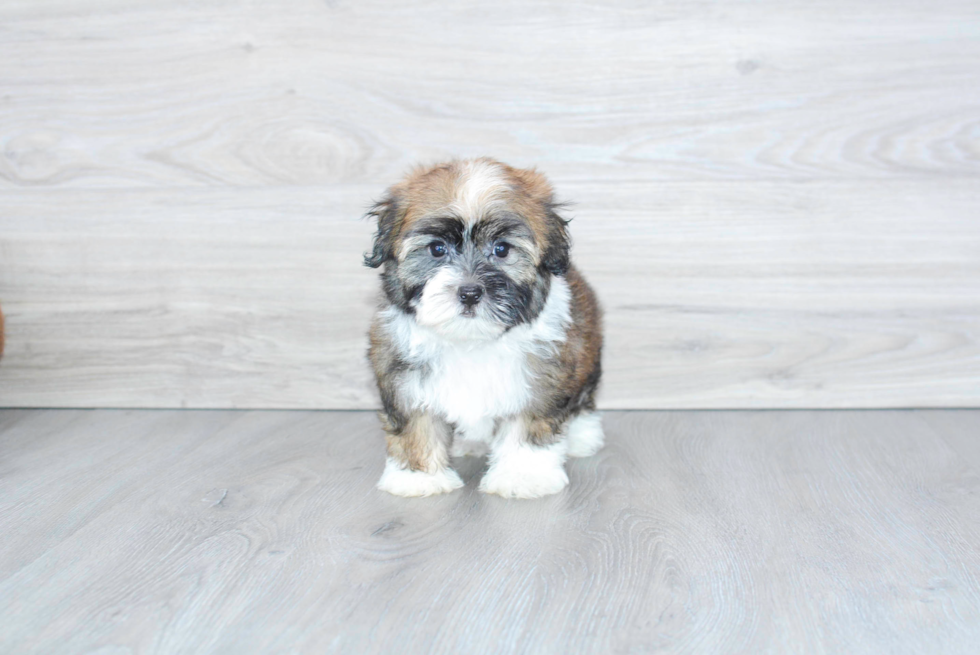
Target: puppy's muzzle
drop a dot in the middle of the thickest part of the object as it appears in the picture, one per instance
(470, 294)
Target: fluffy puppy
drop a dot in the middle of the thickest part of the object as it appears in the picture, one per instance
(487, 337)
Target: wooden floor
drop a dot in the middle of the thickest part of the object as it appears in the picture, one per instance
(261, 532)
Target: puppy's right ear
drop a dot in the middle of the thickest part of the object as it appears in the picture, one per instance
(386, 212)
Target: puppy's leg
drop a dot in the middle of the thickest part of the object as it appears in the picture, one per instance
(584, 433)
(527, 460)
(417, 463)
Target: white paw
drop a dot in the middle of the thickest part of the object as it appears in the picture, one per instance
(468, 448)
(526, 472)
(584, 433)
(405, 482)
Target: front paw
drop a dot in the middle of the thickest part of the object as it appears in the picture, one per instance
(406, 482)
(526, 472)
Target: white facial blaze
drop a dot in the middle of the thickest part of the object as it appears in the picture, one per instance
(439, 308)
(480, 185)
(439, 304)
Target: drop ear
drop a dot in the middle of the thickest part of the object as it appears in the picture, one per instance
(385, 212)
(555, 258)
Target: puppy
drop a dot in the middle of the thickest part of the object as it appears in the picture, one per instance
(486, 337)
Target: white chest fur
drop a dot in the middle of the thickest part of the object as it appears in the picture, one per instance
(469, 381)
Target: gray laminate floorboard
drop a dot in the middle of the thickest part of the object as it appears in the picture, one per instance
(261, 532)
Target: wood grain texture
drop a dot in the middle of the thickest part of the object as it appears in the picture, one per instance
(754, 532)
(716, 295)
(777, 202)
(232, 93)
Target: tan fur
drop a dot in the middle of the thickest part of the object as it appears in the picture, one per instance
(564, 383)
(430, 190)
(578, 359)
(417, 442)
(583, 346)
(541, 431)
(421, 444)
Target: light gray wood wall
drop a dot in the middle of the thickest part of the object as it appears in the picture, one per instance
(779, 203)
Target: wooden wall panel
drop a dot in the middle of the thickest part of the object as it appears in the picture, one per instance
(830, 294)
(779, 204)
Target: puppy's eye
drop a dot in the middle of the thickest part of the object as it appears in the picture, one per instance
(501, 250)
(438, 249)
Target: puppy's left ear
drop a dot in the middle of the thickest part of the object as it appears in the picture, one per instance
(555, 258)
(386, 213)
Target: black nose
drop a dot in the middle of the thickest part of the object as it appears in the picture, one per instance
(470, 294)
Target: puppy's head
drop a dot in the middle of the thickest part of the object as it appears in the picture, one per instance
(469, 247)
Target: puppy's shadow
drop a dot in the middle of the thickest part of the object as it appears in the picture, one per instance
(470, 468)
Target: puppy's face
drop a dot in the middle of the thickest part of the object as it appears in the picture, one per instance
(469, 247)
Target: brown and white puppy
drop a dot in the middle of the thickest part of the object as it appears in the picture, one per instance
(486, 336)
